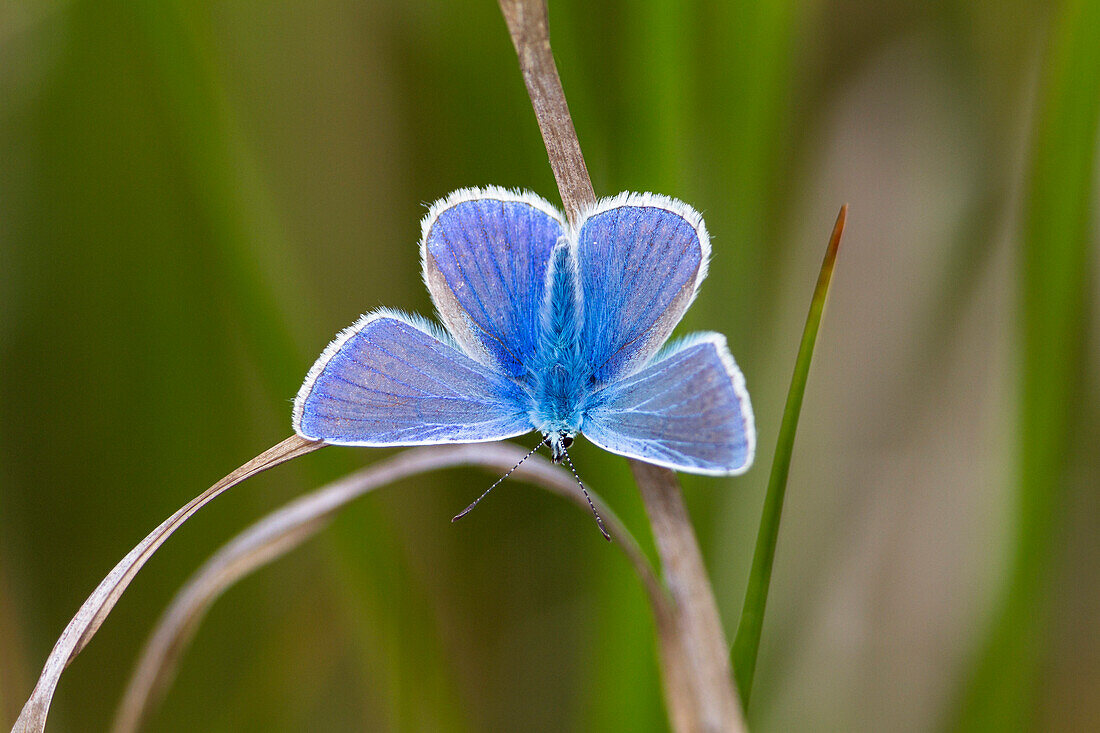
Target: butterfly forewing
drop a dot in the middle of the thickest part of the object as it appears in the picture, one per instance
(641, 259)
(485, 253)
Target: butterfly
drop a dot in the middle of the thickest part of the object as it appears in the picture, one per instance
(547, 327)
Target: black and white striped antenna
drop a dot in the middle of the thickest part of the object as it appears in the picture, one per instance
(592, 506)
(470, 508)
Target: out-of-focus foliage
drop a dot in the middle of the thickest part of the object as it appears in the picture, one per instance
(195, 196)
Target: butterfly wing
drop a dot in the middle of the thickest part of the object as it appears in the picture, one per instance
(687, 410)
(485, 253)
(388, 380)
(641, 259)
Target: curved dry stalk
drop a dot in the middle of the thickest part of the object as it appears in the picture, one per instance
(699, 687)
(286, 528)
(103, 599)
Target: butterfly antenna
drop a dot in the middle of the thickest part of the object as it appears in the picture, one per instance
(470, 508)
(595, 513)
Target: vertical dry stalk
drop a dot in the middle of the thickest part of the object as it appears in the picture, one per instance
(698, 682)
(711, 702)
(530, 31)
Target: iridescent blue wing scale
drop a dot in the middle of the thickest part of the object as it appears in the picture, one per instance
(389, 380)
(485, 253)
(687, 410)
(641, 259)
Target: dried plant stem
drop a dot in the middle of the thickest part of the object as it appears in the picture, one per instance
(103, 599)
(286, 528)
(699, 687)
(529, 27)
(706, 696)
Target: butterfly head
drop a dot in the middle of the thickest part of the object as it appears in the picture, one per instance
(559, 443)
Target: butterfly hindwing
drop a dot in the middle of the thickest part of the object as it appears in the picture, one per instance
(641, 259)
(388, 380)
(485, 253)
(687, 410)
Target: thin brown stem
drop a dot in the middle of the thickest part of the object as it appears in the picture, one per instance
(699, 688)
(711, 700)
(529, 27)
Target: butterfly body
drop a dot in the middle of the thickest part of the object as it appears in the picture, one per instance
(550, 328)
(560, 377)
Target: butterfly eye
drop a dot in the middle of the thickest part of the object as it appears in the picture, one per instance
(567, 441)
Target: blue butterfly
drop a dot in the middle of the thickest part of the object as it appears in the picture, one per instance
(547, 328)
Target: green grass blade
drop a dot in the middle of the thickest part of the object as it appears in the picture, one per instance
(1002, 688)
(747, 642)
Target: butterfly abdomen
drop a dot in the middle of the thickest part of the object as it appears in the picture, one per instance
(560, 373)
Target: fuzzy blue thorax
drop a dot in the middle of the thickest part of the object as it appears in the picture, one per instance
(560, 373)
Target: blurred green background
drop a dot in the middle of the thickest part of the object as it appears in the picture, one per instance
(195, 196)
